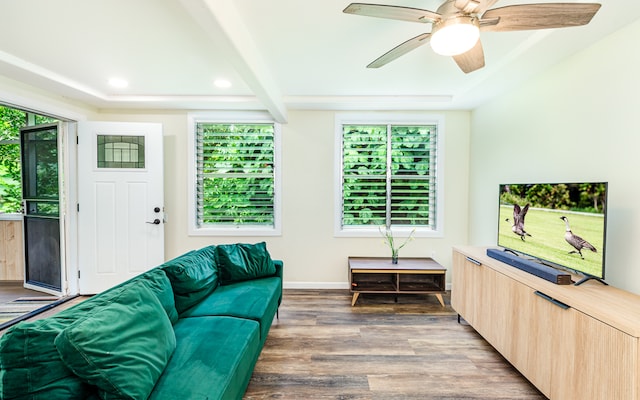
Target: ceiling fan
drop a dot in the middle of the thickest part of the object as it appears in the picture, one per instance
(456, 25)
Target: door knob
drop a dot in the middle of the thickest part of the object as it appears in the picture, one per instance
(156, 209)
(155, 222)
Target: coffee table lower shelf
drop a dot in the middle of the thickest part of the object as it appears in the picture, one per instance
(372, 275)
(354, 299)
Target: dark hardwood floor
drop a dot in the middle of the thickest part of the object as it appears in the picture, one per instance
(322, 348)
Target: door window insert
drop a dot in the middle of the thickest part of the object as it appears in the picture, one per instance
(117, 151)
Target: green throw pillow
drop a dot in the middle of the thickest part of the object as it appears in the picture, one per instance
(122, 348)
(241, 262)
(193, 276)
(157, 280)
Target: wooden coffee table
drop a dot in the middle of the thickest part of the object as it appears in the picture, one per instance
(409, 275)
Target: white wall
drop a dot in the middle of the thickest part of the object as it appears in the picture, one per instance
(313, 256)
(575, 122)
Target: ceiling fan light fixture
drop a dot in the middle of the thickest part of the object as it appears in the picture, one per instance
(455, 36)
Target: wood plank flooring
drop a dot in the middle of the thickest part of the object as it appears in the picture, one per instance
(12, 290)
(16, 301)
(12, 310)
(322, 348)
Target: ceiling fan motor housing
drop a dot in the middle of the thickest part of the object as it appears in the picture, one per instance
(451, 7)
(467, 6)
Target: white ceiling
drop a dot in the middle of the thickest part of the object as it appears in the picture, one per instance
(278, 54)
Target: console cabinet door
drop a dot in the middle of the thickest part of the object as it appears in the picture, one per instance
(465, 290)
(462, 288)
(593, 360)
(488, 314)
(535, 322)
(475, 296)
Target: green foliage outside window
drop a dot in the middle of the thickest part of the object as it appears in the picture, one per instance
(235, 174)
(11, 120)
(388, 175)
(364, 169)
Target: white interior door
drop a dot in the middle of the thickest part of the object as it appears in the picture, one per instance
(120, 202)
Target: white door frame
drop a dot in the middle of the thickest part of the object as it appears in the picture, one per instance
(70, 188)
(121, 214)
(14, 96)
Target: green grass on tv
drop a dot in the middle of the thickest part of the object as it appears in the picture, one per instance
(547, 237)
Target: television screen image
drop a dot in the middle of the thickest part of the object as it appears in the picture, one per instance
(558, 224)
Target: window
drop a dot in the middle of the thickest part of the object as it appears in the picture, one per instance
(120, 151)
(236, 184)
(388, 176)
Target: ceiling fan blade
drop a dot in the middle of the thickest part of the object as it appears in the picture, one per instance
(392, 12)
(539, 16)
(400, 50)
(472, 59)
(474, 6)
(485, 5)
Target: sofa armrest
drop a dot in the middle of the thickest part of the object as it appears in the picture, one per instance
(279, 273)
(279, 267)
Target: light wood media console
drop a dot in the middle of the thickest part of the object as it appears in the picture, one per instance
(571, 342)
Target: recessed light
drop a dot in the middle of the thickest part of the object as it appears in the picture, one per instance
(222, 83)
(118, 83)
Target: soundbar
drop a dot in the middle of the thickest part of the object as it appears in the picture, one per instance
(540, 270)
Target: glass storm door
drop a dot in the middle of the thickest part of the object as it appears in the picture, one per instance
(41, 202)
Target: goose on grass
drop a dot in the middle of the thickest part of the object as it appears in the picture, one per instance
(576, 241)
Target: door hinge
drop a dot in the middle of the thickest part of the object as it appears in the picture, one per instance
(78, 274)
(78, 207)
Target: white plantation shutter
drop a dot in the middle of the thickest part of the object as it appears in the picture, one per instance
(364, 173)
(413, 161)
(388, 175)
(235, 180)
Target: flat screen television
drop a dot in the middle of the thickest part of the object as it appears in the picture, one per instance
(562, 225)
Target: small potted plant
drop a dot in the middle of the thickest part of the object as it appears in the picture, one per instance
(387, 234)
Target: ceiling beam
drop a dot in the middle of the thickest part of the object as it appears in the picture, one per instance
(231, 39)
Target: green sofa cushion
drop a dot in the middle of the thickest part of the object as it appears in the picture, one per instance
(157, 280)
(256, 299)
(214, 359)
(62, 389)
(30, 365)
(193, 276)
(241, 262)
(31, 368)
(123, 347)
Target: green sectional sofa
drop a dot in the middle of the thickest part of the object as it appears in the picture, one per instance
(191, 328)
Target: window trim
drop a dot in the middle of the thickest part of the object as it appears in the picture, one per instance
(392, 119)
(239, 118)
